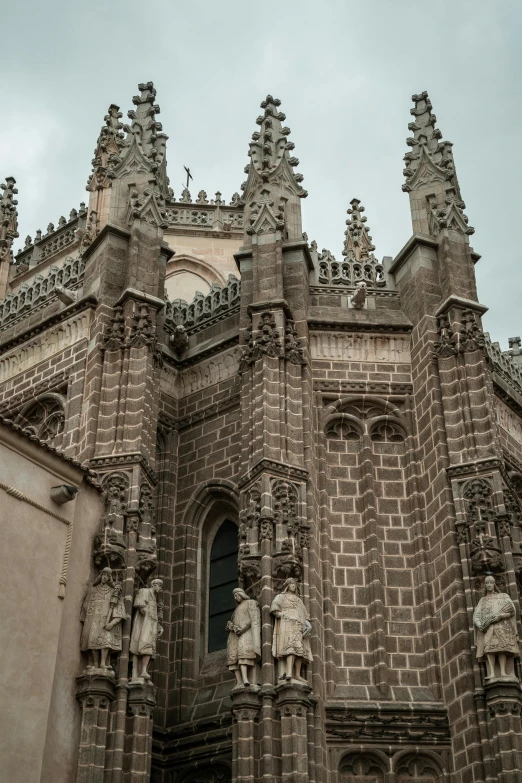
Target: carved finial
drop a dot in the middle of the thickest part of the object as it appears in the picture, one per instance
(8, 218)
(144, 146)
(108, 148)
(358, 243)
(269, 152)
(430, 168)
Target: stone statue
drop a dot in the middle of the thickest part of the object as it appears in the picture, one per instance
(244, 638)
(496, 632)
(145, 629)
(292, 627)
(102, 613)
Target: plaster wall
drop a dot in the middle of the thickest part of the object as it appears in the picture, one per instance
(39, 632)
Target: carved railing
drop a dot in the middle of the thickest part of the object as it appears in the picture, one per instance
(349, 271)
(502, 362)
(53, 241)
(203, 213)
(39, 289)
(204, 307)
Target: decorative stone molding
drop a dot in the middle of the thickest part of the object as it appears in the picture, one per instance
(39, 290)
(508, 421)
(219, 301)
(208, 372)
(360, 347)
(55, 339)
(365, 387)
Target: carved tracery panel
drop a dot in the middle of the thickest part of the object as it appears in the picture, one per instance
(45, 418)
(360, 768)
(417, 769)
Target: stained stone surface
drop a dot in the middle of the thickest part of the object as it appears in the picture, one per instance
(346, 412)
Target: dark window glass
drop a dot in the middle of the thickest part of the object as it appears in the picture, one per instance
(223, 579)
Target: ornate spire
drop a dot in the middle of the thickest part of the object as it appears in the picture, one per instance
(8, 218)
(108, 148)
(143, 150)
(269, 152)
(430, 170)
(358, 243)
(272, 185)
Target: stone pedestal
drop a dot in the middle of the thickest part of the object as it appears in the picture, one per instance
(246, 706)
(95, 693)
(293, 704)
(504, 703)
(140, 708)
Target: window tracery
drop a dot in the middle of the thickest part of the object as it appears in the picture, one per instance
(45, 419)
(222, 581)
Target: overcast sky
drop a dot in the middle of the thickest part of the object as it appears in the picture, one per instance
(344, 71)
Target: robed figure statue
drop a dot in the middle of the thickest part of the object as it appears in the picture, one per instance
(244, 638)
(291, 645)
(145, 629)
(102, 614)
(496, 634)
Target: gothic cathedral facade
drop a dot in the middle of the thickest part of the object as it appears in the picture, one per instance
(307, 565)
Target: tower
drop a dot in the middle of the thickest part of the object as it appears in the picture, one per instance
(320, 456)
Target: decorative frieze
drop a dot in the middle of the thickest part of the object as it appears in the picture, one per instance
(508, 421)
(57, 338)
(206, 373)
(360, 347)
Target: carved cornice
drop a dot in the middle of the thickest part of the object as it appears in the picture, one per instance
(55, 339)
(275, 468)
(364, 387)
(89, 302)
(474, 468)
(374, 293)
(123, 462)
(388, 725)
(207, 413)
(322, 325)
(206, 353)
(464, 304)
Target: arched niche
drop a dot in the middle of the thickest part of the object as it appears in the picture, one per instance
(212, 504)
(186, 275)
(44, 418)
(362, 767)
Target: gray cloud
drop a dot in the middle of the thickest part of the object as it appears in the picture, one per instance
(344, 71)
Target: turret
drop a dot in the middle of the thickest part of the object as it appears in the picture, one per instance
(129, 177)
(273, 190)
(431, 180)
(8, 229)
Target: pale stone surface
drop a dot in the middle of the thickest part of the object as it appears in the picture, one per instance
(40, 633)
(291, 645)
(210, 258)
(244, 639)
(145, 629)
(496, 634)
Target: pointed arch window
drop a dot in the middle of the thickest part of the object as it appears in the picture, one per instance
(222, 581)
